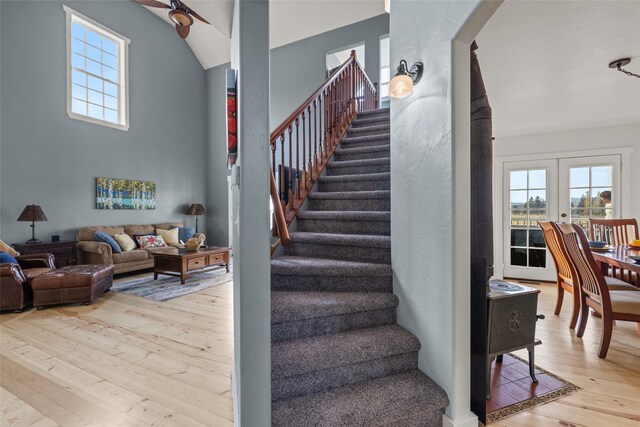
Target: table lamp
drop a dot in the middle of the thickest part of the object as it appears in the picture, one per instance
(196, 209)
(32, 213)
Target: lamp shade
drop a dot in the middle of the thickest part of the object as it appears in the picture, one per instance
(32, 213)
(196, 209)
(401, 86)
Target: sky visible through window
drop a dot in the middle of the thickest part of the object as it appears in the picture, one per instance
(94, 74)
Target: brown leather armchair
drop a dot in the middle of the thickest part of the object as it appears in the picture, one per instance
(15, 292)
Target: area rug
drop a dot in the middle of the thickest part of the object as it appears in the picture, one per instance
(511, 394)
(169, 287)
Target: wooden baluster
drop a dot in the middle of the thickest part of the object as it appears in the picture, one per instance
(325, 111)
(298, 157)
(309, 170)
(304, 152)
(315, 137)
(282, 181)
(376, 96)
(290, 189)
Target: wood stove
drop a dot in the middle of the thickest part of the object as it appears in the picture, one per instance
(511, 322)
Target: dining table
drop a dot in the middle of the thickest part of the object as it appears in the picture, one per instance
(618, 257)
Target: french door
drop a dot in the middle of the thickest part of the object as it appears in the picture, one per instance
(561, 189)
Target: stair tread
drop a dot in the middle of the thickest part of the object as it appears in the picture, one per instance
(303, 266)
(366, 138)
(361, 240)
(350, 195)
(359, 163)
(346, 215)
(291, 306)
(376, 112)
(378, 176)
(370, 128)
(361, 150)
(297, 357)
(358, 122)
(379, 402)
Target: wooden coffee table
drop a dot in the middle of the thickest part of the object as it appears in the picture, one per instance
(184, 263)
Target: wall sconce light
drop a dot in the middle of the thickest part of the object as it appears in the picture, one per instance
(402, 83)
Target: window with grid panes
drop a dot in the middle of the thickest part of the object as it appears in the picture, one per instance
(97, 72)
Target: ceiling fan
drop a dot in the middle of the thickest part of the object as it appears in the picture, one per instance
(180, 14)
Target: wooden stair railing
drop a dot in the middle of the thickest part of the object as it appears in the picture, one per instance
(305, 141)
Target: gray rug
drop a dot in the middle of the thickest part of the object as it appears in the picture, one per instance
(169, 287)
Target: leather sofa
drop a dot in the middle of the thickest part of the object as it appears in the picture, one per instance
(15, 289)
(92, 252)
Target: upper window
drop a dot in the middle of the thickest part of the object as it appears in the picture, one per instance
(97, 77)
(385, 69)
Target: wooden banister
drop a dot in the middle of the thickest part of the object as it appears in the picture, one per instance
(303, 143)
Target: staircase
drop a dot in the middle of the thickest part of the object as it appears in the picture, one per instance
(338, 356)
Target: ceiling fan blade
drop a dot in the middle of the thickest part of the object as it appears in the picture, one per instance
(195, 15)
(182, 30)
(153, 3)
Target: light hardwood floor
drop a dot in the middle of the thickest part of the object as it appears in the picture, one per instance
(610, 394)
(123, 361)
(129, 361)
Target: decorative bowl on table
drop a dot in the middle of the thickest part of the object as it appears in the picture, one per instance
(596, 244)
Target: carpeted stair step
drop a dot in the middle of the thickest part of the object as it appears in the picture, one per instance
(329, 275)
(350, 247)
(360, 153)
(368, 121)
(354, 167)
(296, 315)
(378, 200)
(409, 399)
(347, 222)
(370, 130)
(316, 364)
(380, 112)
(366, 141)
(359, 182)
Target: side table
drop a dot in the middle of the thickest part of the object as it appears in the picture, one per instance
(65, 251)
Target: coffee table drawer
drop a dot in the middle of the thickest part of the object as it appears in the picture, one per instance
(195, 263)
(216, 259)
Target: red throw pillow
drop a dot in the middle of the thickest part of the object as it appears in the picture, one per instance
(150, 241)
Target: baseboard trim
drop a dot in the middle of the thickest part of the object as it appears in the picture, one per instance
(470, 420)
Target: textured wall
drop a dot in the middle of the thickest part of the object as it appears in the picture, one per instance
(299, 68)
(52, 160)
(217, 172)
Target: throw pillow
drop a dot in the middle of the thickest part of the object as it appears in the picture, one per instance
(5, 257)
(135, 238)
(101, 236)
(126, 243)
(185, 233)
(151, 242)
(8, 249)
(169, 236)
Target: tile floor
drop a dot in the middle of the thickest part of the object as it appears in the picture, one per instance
(511, 383)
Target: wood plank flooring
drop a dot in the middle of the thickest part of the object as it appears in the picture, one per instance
(130, 361)
(610, 394)
(123, 361)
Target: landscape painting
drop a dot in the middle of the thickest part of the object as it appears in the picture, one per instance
(112, 193)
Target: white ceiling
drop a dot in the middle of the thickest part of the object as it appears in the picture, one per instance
(289, 21)
(545, 65)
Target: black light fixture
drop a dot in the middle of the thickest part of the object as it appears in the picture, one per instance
(402, 83)
(619, 63)
(196, 209)
(32, 213)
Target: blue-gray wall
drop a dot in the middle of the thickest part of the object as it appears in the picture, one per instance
(52, 160)
(299, 68)
(217, 172)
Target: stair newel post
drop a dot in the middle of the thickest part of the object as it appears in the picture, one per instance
(298, 157)
(304, 151)
(283, 184)
(272, 146)
(377, 95)
(290, 189)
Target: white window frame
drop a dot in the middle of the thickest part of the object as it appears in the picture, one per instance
(386, 98)
(123, 68)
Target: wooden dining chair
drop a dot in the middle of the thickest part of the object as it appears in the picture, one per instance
(610, 304)
(614, 231)
(564, 276)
